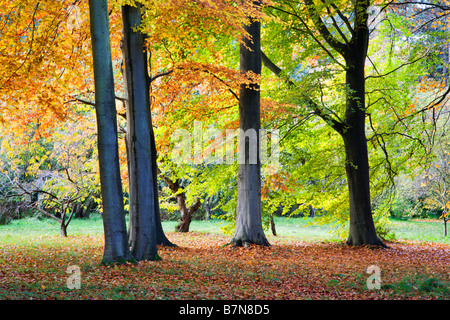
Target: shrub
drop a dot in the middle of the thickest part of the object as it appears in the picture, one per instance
(9, 210)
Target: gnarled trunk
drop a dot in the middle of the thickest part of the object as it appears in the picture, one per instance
(186, 213)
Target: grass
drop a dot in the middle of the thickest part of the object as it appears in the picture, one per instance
(302, 229)
(420, 230)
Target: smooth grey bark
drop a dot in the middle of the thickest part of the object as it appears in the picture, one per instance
(142, 227)
(248, 228)
(116, 241)
(161, 238)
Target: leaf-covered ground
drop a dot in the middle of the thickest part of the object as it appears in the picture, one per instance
(203, 268)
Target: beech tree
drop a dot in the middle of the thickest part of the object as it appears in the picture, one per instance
(142, 227)
(352, 127)
(116, 241)
(248, 228)
(352, 46)
(363, 96)
(145, 229)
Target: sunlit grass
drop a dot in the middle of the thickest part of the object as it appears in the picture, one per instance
(303, 229)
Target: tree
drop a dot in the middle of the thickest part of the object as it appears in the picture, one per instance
(177, 188)
(319, 78)
(191, 84)
(143, 210)
(352, 46)
(116, 240)
(248, 228)
(352, 129)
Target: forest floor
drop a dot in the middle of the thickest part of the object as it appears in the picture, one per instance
(204, 267)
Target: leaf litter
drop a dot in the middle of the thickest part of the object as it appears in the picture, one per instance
(203, 266)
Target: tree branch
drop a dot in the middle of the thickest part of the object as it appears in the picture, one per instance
(309, 32)
(343, 18)
(323, 30)
(337, 125)
(160, 75)
(395, 69)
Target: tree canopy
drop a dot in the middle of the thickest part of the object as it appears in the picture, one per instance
(349, 104)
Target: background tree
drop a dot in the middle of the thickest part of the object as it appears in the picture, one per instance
(177, 189)
(54, 175)
(437, 182)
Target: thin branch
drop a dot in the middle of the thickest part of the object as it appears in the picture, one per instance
(343, 18)
(310, 33)
(160, 75)
(215, 77)
(336, 25)
(47, 213)
(83, 101)
(395, 69)
(336, 124)
(434, 103)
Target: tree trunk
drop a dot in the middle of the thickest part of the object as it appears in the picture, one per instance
(186, 213)
(312, 211)
(116, 242)
(88, 208)
(248, 228)
(63, 230)
(161, 238)
(362, 228)
(208, 207)
(272, 226)
(83, 210)
(445, 225)
(78, 208)
(142, 227)
(185, 220)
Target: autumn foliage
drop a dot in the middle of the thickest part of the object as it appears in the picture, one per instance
(47, 122)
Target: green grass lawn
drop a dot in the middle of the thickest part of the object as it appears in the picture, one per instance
(20, 231)
(420, 230)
